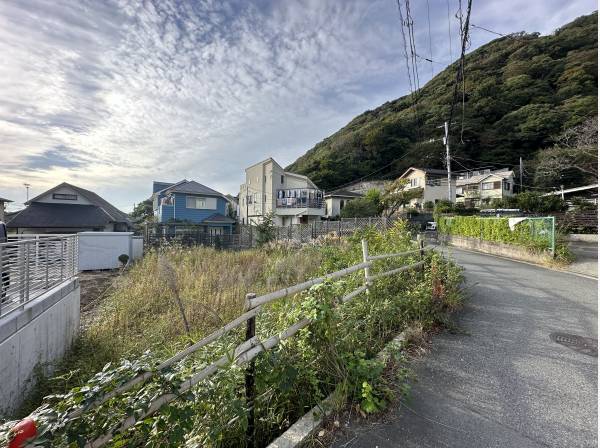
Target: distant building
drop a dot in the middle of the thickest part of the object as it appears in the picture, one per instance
(67, 208)
(188, 201)
(337, 200)
(361, 187)
(291, 198)
(479, 187)
(434, 183)
(3, 203)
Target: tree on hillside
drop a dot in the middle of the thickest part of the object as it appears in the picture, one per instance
(575, 150)
(396, 195)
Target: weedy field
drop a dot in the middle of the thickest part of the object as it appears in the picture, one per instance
(175, 296)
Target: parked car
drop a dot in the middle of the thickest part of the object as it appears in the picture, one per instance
(431, 225)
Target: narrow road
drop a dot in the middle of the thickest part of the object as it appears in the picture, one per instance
(502, 382)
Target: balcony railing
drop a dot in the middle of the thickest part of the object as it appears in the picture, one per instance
(300, 198)
(31, 266)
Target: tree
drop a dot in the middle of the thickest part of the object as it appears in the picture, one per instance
(143, 212)
(574, 150)
(266, 230)
(396, 195)
(365, 207)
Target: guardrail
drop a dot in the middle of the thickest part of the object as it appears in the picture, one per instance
(245, 352)
(30, 266)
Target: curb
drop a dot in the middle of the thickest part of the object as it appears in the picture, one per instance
(564, 271)
(310, 422)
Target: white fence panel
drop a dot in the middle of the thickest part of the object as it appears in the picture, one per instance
(101, 250)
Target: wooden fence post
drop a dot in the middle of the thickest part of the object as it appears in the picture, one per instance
(421, 252)
(249, 377)
(365, 252)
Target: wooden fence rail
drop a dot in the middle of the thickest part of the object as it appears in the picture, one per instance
(245, 352)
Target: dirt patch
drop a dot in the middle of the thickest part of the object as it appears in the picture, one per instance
(94, 287)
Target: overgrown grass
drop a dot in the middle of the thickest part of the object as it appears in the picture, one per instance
(336, 353)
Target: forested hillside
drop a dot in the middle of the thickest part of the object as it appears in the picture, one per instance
(521, 91)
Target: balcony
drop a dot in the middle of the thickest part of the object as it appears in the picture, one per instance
(300, 198)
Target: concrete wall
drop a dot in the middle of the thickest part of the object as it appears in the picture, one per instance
(583, 237)
(490, 247)
(101, 250)
(38, 335)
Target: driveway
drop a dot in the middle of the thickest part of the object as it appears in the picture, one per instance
(502, 382)
(586, 258)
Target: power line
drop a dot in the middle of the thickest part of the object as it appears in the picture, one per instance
(481, 161)
(489, 31)
(449, 33)
(430, 47)
(460, 70)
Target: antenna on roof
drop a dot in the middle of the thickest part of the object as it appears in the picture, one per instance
(26, 185)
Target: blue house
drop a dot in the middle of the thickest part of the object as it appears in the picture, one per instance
(188, 201)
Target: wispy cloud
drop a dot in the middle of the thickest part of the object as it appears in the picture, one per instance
(111, 95)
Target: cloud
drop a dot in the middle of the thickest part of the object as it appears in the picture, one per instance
(111, 95)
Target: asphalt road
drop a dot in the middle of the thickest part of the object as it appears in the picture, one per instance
(503, 382)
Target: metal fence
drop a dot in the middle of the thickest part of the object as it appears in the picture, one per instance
(250, 348)
(31, 265)
(245, 236)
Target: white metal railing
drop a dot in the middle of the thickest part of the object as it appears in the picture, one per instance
(246, 351)
(30, 265)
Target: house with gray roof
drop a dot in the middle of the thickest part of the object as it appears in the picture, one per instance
(190, 202)
(68, 208)
(479, 187)
(336, 200)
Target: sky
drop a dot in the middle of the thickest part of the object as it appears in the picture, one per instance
(112, 94)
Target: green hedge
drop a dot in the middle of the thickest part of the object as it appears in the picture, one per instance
(533, 234)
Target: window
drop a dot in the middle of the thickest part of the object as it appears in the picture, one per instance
(414, 182)
(195, 202)
(497, 185)
(506, 185)
(282, 179)
(459, 190)
(487, 186)
(64, 196)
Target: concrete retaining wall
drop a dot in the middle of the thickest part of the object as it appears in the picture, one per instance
(583, 237)
(490, 247)
(38, 335)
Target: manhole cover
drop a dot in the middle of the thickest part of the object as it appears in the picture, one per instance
(586, 346)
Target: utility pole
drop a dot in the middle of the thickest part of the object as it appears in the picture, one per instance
(447, 142)
(26, 185)
(520, 174)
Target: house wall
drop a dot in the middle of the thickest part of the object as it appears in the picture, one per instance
(181, 212)
(494, 193)
(64, 190)
(333, 206)
(431, 193)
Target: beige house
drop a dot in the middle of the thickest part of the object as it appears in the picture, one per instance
(434, 183)
(477, 188)
(292, 198)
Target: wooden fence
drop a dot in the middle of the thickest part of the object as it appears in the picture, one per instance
(246, 351)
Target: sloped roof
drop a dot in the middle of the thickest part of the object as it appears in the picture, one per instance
(342, 194)
(192, 187)
(5, 200)
(480, 177)
(113, 212)
(426, 171)
(218, 218)
(42, 214)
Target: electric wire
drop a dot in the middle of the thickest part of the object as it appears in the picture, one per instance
(430, 45)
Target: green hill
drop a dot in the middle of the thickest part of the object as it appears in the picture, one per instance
(521, 91)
